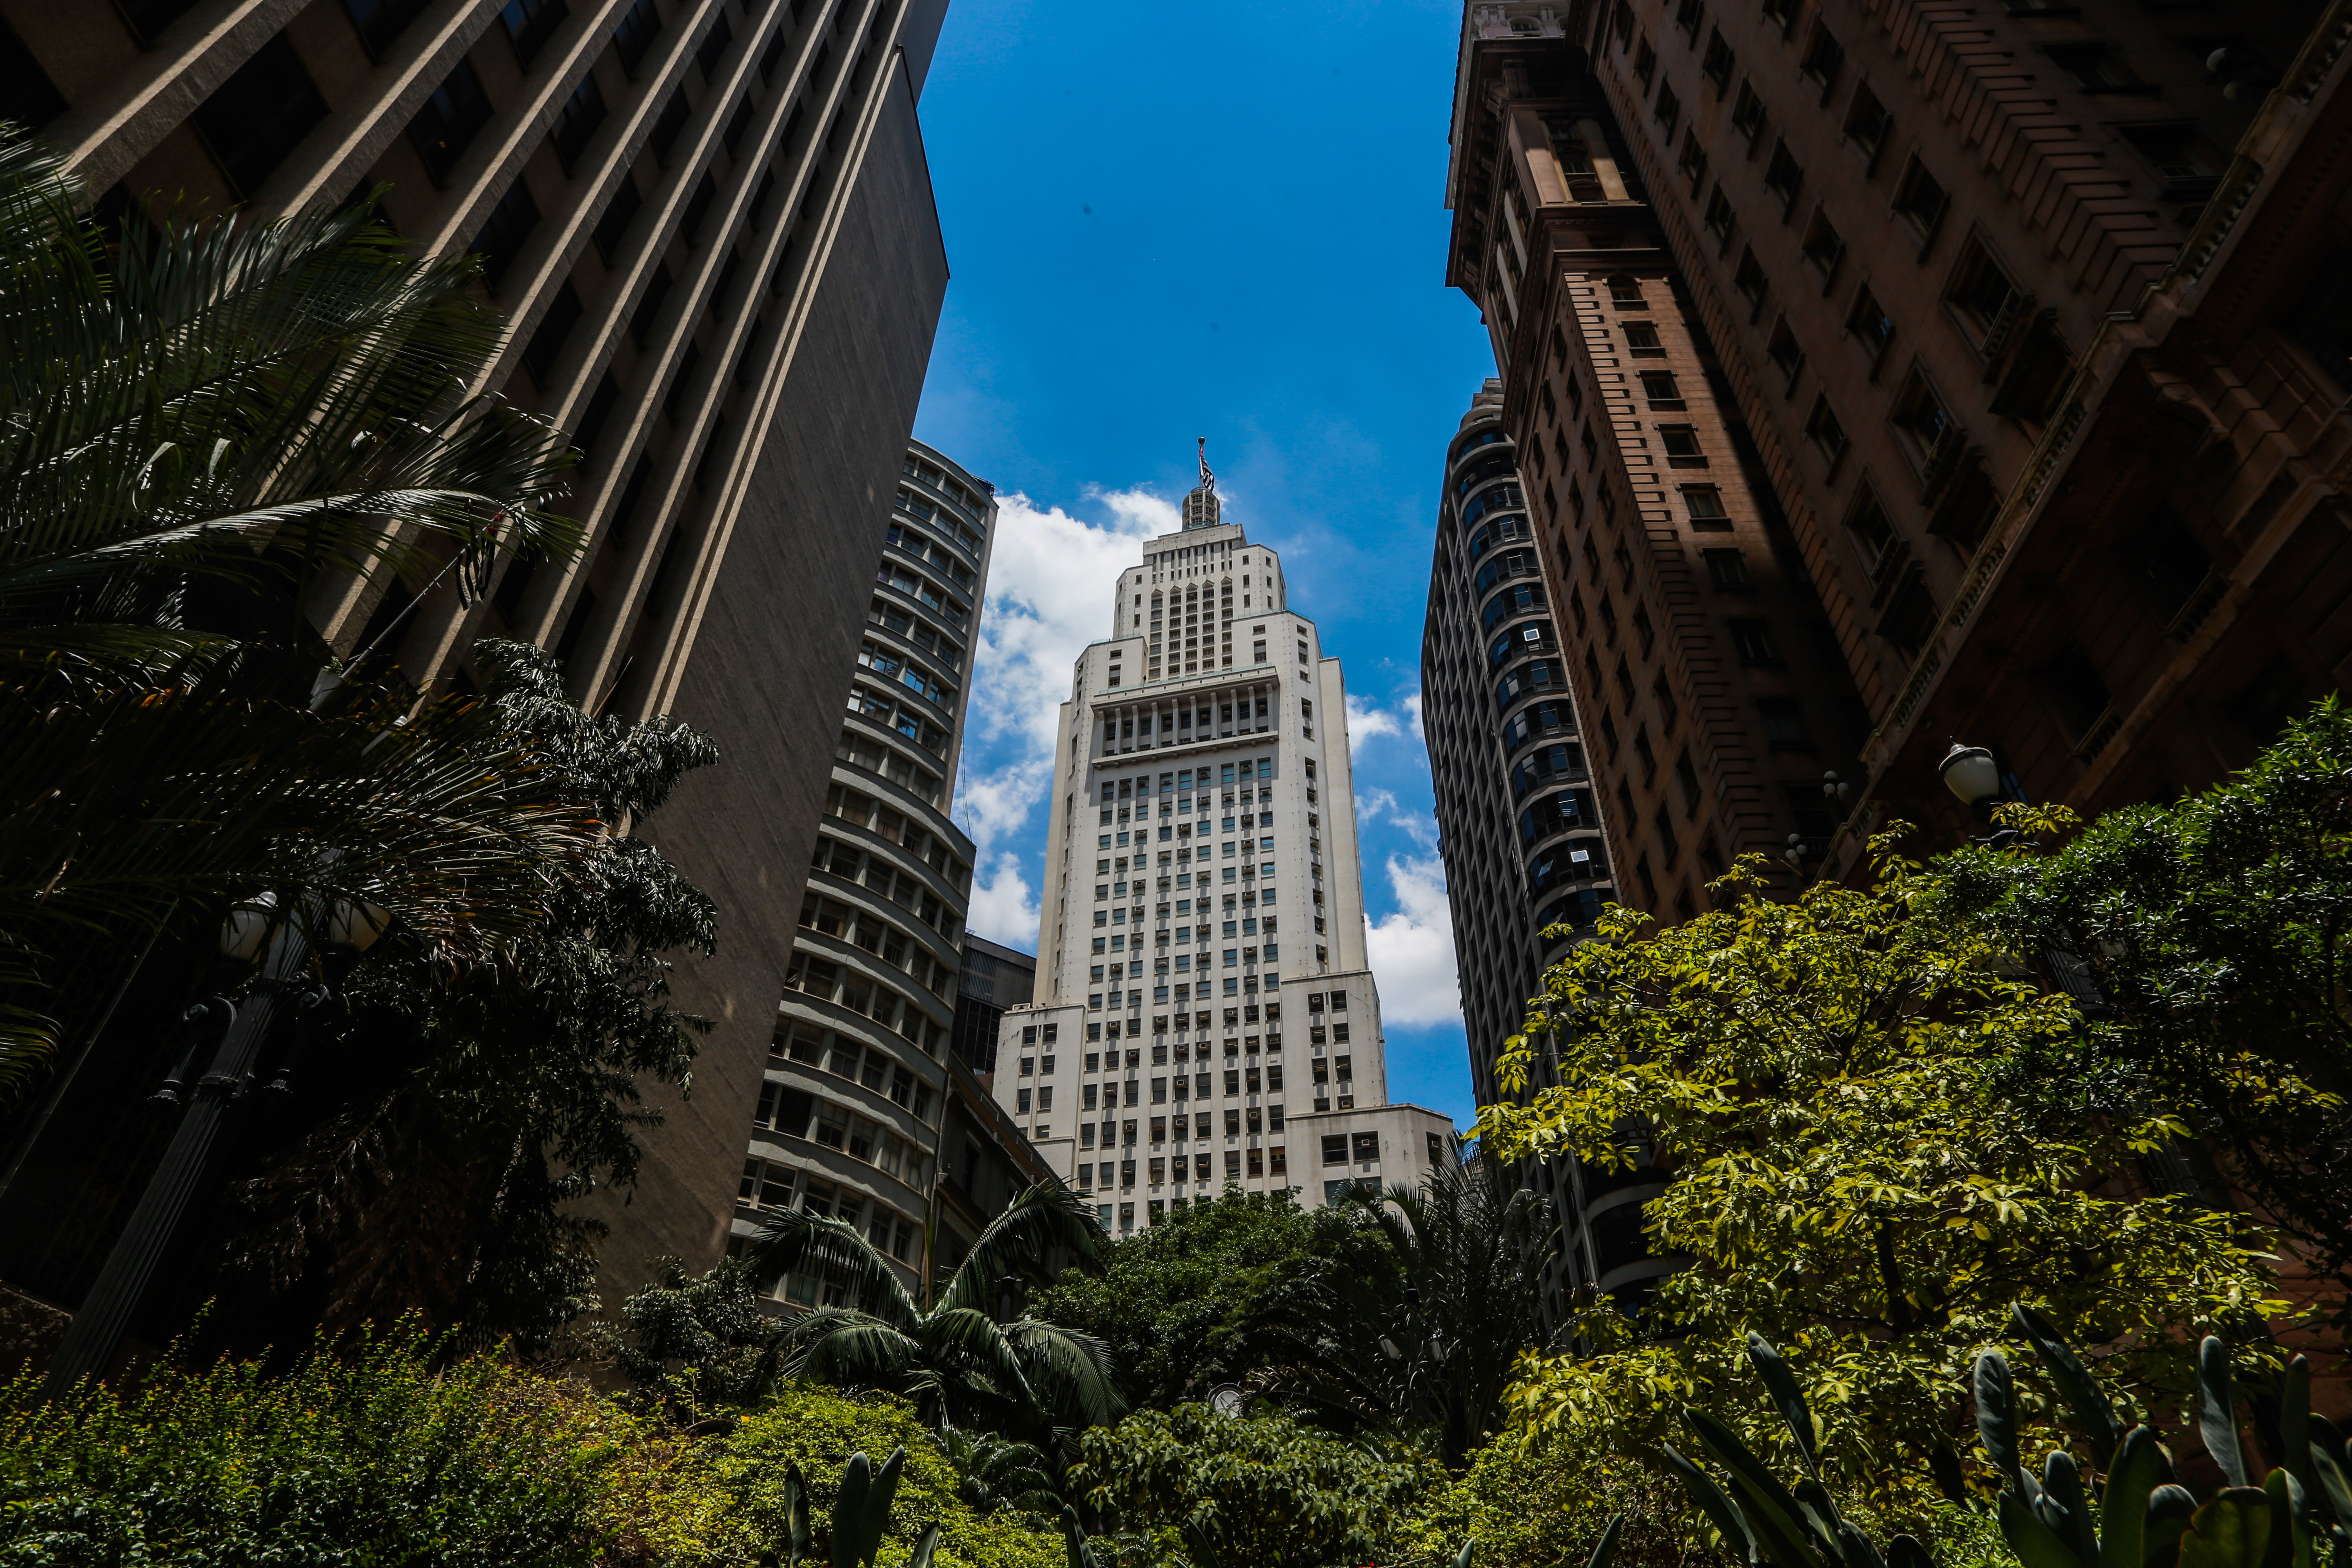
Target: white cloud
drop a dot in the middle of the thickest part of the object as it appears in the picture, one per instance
(1047, 598)
(1004, 905)
(1365, 721)
(1412, 950)
(1412, 718)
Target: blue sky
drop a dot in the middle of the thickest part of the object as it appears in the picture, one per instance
(1217, 220)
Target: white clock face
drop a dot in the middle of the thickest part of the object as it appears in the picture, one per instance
(1227, 1400)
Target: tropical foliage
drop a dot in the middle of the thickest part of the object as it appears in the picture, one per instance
(1858, 1093)
(192, 422)
(950, 1352)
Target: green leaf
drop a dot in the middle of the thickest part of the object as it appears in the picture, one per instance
(1710, 1499)
(2065, 1506)
(925, 1548)
(1782, 1386)
(1996, 1395)
(1605, 1553)
(2080, 1390)
(2233, 1530)
(2169, 1509)
(2036, 1544)
(1774, 1515)
(1904, 1552)
(2333, 1483)
(1462, 1558)
(849, 1511)
(796, 1513)
(2294, 1421)
(2290, 1543)
(2217, 1410)
(876, 1518)
(2122, 1508)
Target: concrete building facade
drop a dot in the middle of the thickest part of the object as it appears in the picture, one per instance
(1519, 824)
(995, 977)
(1205, 1015)
(711, 225)
(1714, 700)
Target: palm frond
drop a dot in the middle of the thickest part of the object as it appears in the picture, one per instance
(793, 1241)
(1070, 1372)
(1046, 1217)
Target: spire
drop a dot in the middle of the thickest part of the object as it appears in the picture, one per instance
(1200, 508)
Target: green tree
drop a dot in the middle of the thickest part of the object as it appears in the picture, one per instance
(505, 1090)
(1259, 1491)
(1426, 1349)
(191, 422)
(2218, 932)
(1835, 1081)
(947, 1351)
(1219, 1289)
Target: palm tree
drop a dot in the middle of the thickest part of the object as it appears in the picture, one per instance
(960, 1364)
(190, 417)
(1433, 1360)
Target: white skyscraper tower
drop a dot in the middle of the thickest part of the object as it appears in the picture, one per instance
(1205, 1014)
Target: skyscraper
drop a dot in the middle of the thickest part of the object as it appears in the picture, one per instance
(1712, 698)
(710, 225)
(863, 1104)
(1205, 1015)
(1520, 826)
(2021, 324)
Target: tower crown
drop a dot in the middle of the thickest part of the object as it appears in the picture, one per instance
(1200, 508)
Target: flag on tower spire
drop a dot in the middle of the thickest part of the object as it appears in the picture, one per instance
(1208, 479)
(1201, 509)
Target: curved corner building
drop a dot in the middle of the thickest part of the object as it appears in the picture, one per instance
(1205, 1016)
(860, 1098)
(1526, 869)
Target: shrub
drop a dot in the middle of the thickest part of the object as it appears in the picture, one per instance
(364, 1458)
(725, 1500)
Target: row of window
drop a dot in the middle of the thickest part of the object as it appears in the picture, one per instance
(875, 1067)
(864, 929)
(865, 752)
(862, 810)
(829, 982)
(788, 1112)
(899, 623)
(1247, 985)
(767, 1185)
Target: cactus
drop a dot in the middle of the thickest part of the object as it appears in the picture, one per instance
(2143, 1518)
(1760, 1518)
(861, 1515)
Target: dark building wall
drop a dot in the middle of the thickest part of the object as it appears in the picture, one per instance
(710, 225)
(995, 978)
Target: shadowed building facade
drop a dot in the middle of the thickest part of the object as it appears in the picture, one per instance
(711, 225)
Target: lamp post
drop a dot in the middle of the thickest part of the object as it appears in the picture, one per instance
(1974, 777)
(253, 931)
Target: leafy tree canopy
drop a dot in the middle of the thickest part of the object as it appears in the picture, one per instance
(1260, 1490)
(2218, 931)
(1852, 1091)
(1183, 1305)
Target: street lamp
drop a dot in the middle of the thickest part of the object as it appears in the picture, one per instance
(255, 932)
(1974, 777)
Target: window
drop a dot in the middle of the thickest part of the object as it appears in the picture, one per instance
(1661, 388)
(1366, 1146)
(1822, 427)
(1752, 640)
(1642, 338)
(1669, 110)
(1871, 327)
(1822, 246)
(1919, 199)
(1920, 416)
(260, 115)
(2096, 68)
(583, 112)
(1702, 504)
(1781, 13)
(1688, 14)
(444, 127)
(1983, 297)
(1645, 63)
(1748, 279)
(1784, 724)
(1782, 178)
(1692, 163)
(1335, 1148)
(1719, 219)
(503, 232)
(2076, 692)
(1681, 442)
(1822, 60)
(636, 34)
(1871, 533)
(2186, 166)
(1728, 570)
(1783, 350)
(1625, 293)
(1748, 115)
(1867, 121)
(529, 24)
(1716, 64)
